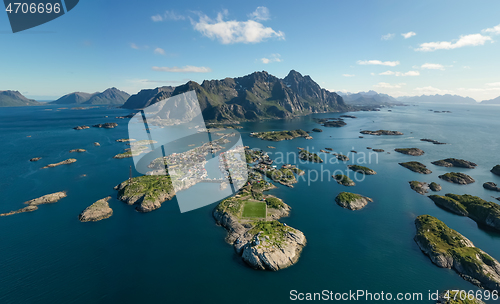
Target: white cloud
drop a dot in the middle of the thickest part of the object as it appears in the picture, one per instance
(385, 85)
(387, 36)
(466, 67)
(467, 40)
(429, 90)
(378, 62)
(409, 73)
(168, 15)
(272, 58)
(348, 75)
(233, 31)
(408, 35)
(493, 84)
(261, 13)
(134, 46)
(159, 51)
(432, 66)
(494, 30)
(184, 69)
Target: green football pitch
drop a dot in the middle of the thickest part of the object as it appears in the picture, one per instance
(254, 209)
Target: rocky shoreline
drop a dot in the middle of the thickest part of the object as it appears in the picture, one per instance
(34, 203)
(64, 162)
(457, 178)
(481, 211)
(449, 249)
(148, 192)
(416, 167)
(262, 244)
(410, 151)
(454, 162)
(352, 201)
(99, 210)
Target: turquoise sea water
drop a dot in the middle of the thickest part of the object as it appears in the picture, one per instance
(48, 256)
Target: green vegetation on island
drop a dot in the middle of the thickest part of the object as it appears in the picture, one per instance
(261, 241)
(455, 162)
(410, 151)
(435, 187)
(419, 187)
(361, 169)
(352, 201)
(416, 167)
(381, 132)
(148, 191)
(309, 156)
(449, 249)
(491, 186)
(481, 211)
(496, 170)
(344, 180)
(280, 135)
(457, 178)
(317, 130)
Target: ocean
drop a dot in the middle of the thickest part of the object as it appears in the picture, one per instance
(165, 256)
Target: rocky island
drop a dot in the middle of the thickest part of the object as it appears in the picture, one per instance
(344, 180)
(419, 187)
(148, 192)
(280, 135)
(253, 229)
(416, 167)
(331, 122)
(496, 170)
(81, 127)
(481, 211)
(77, 150)
(457, 178)
(381, 132)
(352, 201)
(34, 203)
(361, 169)
(99, 210)
(454, 162)
(64, 162)
(449, 249)
(433, 141)
(491, 186)
(312, 157)
(108, 125)
(410, 151)
(35, 159)
(435, 187)
(317, 130)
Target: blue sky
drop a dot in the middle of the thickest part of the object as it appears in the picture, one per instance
(448, 47)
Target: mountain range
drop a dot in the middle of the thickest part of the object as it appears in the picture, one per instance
(254, 96)
(491, 101)
(439, 99)
(15, 99)
(109, 96)
(370, 98)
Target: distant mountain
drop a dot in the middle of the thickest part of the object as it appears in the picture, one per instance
(75, 97)
(491, 101)
(15, 99)
(446, 99)
(254, 96)
(370, 98)
(110, 96)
